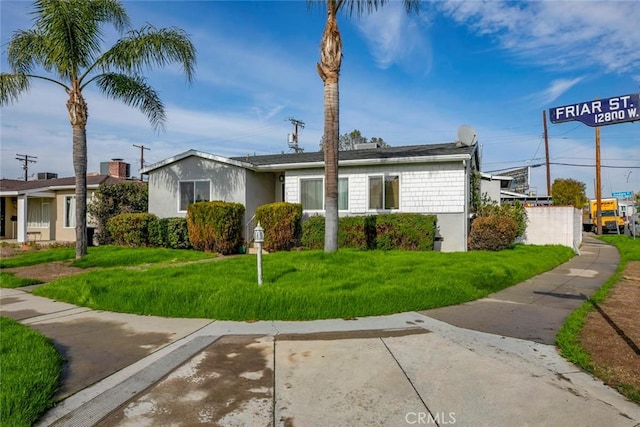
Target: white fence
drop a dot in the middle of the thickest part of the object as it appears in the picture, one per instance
(554, 225)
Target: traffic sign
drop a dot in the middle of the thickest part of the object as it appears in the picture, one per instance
(599, 112)
(622, 194)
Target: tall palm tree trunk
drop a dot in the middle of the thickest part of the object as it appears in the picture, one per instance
(329, 71)
(78, 113)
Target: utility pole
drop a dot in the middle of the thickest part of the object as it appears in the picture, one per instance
(294, 144)
(142, 148)
(546, 149)
(26, 159)
(598, 184)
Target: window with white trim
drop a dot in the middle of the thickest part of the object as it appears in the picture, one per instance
(37, 213)
(312, 194)
(384, 192)
(192, 192)
(69, 211)
(343, 194)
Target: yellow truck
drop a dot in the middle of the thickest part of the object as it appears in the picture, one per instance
(609, 217)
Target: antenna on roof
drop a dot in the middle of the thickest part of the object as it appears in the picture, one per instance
(467, 135)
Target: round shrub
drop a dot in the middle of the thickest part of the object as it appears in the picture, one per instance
(492, 233)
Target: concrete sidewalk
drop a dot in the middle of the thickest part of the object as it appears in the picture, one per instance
(403, 369)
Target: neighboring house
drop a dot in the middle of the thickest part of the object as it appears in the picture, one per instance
(44, 209)
(427, 179)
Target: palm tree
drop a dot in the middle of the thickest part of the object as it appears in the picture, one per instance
(65, 42)
(329, 70)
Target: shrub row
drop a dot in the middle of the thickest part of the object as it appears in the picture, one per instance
(145, 229)
(215, 226)
(388, 231)
(282, 225)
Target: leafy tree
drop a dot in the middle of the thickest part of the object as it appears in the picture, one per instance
(329, 70)
(349, 140)
(568, 192)
(636, 198)
(114, 199)
(65, 42)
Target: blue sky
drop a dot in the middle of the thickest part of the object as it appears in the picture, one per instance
(495, 66)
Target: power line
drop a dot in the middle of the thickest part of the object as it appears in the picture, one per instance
(26, 159)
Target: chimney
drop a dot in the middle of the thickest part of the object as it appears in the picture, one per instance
(116, 168)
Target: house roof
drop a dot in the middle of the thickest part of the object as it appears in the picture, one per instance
(15, 187)
(404, 154)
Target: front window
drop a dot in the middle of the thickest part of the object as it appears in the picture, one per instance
(192, 192)
(70, 211)
(37, 213)
(312, 194)
(343, 194)
(384, 192)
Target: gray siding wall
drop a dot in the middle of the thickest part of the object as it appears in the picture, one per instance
(228, 183)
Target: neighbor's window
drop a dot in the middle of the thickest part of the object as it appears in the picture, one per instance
(69, 211)
(312, 194)
(37, 213)
(343, 194)
(384, 192)
(192, 192)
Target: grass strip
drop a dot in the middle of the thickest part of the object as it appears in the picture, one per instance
(9, 280)
(307, 285)
(568, 338)
(104, 256)
(31, 368)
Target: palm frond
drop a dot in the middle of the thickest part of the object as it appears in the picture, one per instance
(363, 7)
(72, 30)
(25, 50)
(150, 47)
(11, 86)
(135, 92)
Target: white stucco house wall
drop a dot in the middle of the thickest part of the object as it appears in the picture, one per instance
(426, 179)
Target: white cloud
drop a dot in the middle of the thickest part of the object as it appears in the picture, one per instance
(558, 34)
(555, 89)
(395, 38)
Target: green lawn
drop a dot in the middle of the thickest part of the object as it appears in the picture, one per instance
(104, 256)
(30, 368)
(9, 280)
(307, 284)
(568, 338)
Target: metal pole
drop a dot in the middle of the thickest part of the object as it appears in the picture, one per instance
(259, 244)
(598, 184)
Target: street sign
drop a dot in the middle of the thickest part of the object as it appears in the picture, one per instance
(622, 194)
(600, 112)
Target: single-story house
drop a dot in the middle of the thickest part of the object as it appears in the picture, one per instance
(427, 179)
(44, 209)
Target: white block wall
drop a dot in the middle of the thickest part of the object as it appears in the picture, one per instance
(554, 225)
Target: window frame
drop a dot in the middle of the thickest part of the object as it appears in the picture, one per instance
(384, 178)
(307, 179)
(193, 181)
(45, 220)
(69, 221)
(321, 179)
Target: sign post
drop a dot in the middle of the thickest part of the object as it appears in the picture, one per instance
(596, 113)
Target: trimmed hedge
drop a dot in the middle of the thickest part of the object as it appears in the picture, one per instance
(130, 229)
(492, 233)
(169, 233)
(282, 225)
(215, 226)
(313, 232)
(410, 232)
(387, 231)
